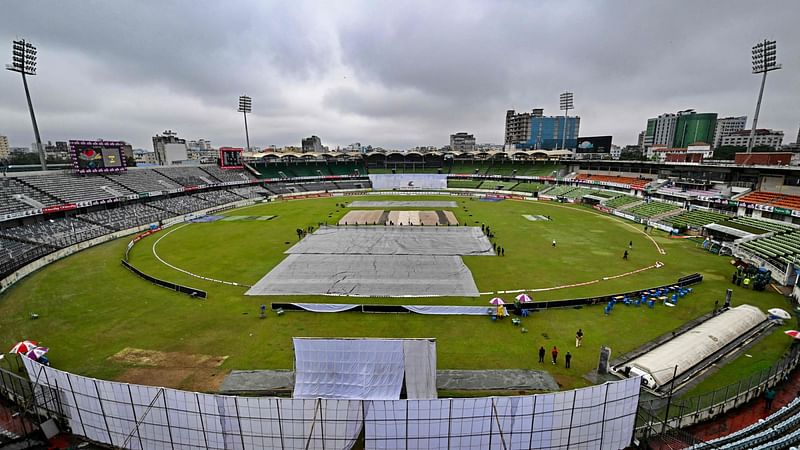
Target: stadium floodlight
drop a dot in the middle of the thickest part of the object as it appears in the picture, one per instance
(566, 105)
(246, 107)
(23, 61)
(764, 60)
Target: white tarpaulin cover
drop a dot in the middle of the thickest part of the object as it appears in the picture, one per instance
(144, 417)
(419, 358)
(448, 310)
(402, 204)
(348, 368)
(327, 307)
(408, 181)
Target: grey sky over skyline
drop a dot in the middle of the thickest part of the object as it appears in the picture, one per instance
(390, 74)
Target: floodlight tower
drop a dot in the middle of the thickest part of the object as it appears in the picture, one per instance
(763, 61)
(566, 105)
(246, 107)
(24, 62)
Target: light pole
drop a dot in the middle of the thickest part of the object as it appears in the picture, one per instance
(245, 107)
(24, 62)
(763, 62)
(566, 105)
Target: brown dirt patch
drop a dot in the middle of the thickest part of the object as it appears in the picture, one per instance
(176, 360)
(193, 379)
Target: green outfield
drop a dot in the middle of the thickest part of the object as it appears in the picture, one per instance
(91, 308)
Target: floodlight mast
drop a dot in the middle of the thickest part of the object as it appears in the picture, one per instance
(24, 62)
(566, 105)
(764, 60)
(246, 107)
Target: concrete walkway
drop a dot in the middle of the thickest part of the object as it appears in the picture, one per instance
(268, 382)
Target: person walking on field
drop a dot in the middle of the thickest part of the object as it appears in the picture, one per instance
(554, 242)
(625, 255)
(578, 337)
(567, 359)
(630, 244)
(541, 354)
(554, 353)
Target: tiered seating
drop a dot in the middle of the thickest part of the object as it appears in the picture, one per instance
(14, 254)
(557, 191)
(580, 192)
(540, 169)
(463, 184)
(355, 184)
(679, 192)
(346, 168)
(762, 197)
(652, 209)
(125, 217)
(74, 189)
(764, 225)
(620, 201)
(228, 175)
(695, 218)
(320, 186)
(497, 185)
(188, 176)
(633, 182)
(779, 430)
(181, 205)
(219, 197)
(250, 191)
(10, 191)
(147, 180)
(528, 187)
(60, 233)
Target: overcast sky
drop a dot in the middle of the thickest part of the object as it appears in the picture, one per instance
(395, 74)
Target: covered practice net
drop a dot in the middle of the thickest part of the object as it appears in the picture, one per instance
(364, 369)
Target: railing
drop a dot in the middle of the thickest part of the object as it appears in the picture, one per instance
(686, 412)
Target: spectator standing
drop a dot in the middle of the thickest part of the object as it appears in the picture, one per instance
(554, 353)
(567, 359)
(625, 255)
(578, 337)
(541, 354)
(769, 396)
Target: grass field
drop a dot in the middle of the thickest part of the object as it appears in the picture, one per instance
(91, 308)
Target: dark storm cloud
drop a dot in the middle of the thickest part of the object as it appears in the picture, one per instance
(394, 74)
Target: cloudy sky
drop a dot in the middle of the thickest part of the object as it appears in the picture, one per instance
(395, 74)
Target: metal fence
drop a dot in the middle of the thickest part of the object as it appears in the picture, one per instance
(684, 412)
(135, 416)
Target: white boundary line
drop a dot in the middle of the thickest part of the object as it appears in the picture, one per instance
(155, 253)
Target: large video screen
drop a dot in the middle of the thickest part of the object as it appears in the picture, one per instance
(97, 156)
(230, 158)
(594, 144)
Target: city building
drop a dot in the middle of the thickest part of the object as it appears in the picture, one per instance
(311, 144)
(142, 156)
(616, 151)
(462, 142)
(534, 130)
(169, 148)
(660, 131)
(354, 147)
(5, 149)
(726, 126)
(694, 127)
(763, 138)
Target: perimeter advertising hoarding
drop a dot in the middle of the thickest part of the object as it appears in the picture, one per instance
(230, 158)
(97, 156)
(594, 144)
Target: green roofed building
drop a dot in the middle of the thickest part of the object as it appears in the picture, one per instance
(694, 127)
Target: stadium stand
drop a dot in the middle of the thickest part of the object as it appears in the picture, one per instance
(685, 193)
(620, 201)
(633, 182)
(124, 217)
(464, 184)
(181, 205)
(16, 196)
(557, 191)
(780, 429)
(356, 184)
(772, 199)
(188, 176)
(652, 209)
(250, 192)
(695, 218)
(763, 225)
(218, 197)
(144, 181)
(780, 248)
(14, 253)
(58, 233)
(228, 175)
(74, 189)
(528, 187)
(497, 185)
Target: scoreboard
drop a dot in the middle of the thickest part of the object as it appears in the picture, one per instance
(230, 158)
(97, 156)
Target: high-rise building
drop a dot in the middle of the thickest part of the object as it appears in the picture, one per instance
(534, 130)
(5, 149)
(692, 127)
(160, 142)
(797, 140)
(462, 142)
(311, 144)
(660, 130)
(726, 126)
(762, 138)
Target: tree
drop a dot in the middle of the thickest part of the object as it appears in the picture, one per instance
(729, 151)
(631, 155)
